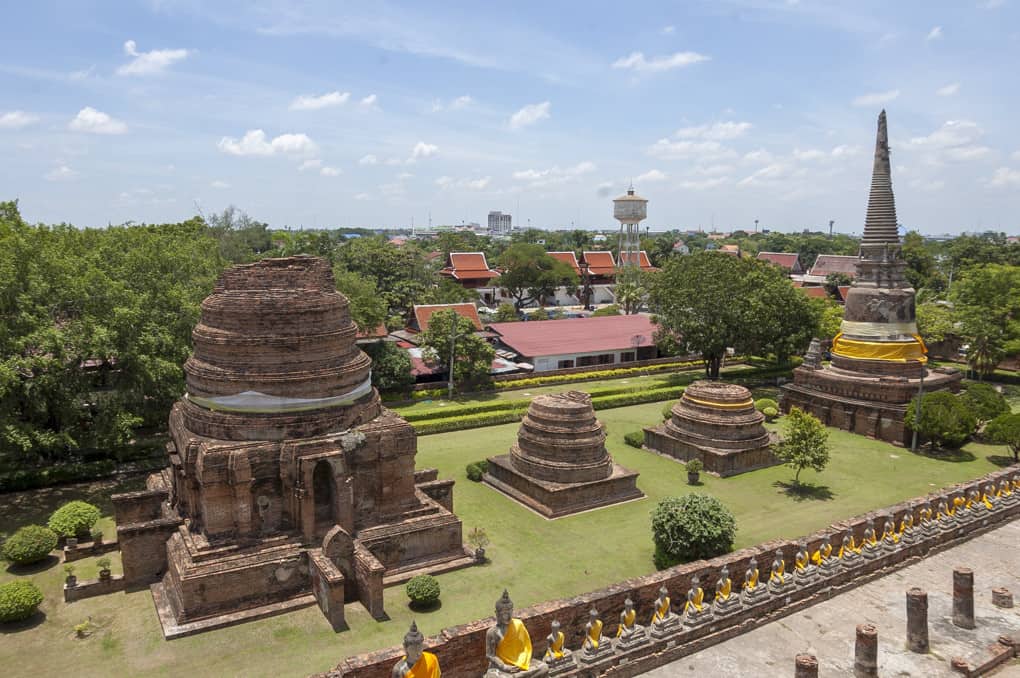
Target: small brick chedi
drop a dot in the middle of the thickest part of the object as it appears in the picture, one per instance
(559, 464)
(878, 358)
(718, 424)
(287, 477)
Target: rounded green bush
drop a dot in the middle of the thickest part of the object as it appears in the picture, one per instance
(770, 413)
(695, 466)
(30, 544)
(635, 439)
(691, 527)
(74, 518)
(761, 404)
(474, 472)
(667, 411)
(423, 589)
(946, 421)
(984, 401)
(18, 600)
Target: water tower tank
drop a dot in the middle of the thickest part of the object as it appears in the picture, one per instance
(630, 208)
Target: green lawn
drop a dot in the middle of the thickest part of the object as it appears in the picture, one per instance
(535, 558)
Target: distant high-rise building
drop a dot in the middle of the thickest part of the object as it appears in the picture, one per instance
(500, 223)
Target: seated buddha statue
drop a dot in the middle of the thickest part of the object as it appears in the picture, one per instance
(725, 602)
(890, 537)
(803, 569)
(1016, 482)
(823, 559)
(752, 592)
(629, 633)
(778, 581)
(850, 552)
(595, 646)
(695, 610)
(906, 531)
(508, 645)
(1003, 490)
(870, 543)
(988, 496)
(416, 662)
(557, 656)
(664, 620)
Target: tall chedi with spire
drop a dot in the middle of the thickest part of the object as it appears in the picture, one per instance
(878, 358)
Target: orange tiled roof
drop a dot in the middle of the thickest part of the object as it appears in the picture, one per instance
(600, 262)
(643, 262)
(423, 312)
(567, 258)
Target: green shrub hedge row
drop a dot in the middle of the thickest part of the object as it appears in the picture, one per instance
(18, 600)
(30, 544)
(596, 374)
(475, 470)
(74, 517)
(635, 439)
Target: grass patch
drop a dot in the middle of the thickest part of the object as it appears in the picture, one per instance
(534, 558)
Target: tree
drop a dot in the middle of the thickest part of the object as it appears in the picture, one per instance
(391, 366)
(630, 294)
(935, 321)
(833, 281)
(805, 443)
(921, 268)
(830, 317)
(987, 303)
(473, 356)
(368, 308)
(241, 239)
(506, 313)
(529, 274)
(946, 421)
(691, 527)
(984, 401)
(713, 302)
(1005, 430)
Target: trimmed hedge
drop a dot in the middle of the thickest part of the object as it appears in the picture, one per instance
(19, 600)
(762, 403)
(30, 544)
(635, 439)
(597, 374)
(73, 518)
(475, 470)
(423, 590)
(692, 527)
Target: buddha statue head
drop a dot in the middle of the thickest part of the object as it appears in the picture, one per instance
(555, 628)
(724, 574)
(414, 644)
(593, 616)
(628, 604)
(752, 566)
(695, 583)
(504, 609)
(663, 592)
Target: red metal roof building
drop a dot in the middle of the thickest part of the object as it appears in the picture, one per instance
(834, 263)
(580, 342)
(568, 258)
(470, 269)
(423, 313)
(814, 292)
(601, 266)
(789, 261)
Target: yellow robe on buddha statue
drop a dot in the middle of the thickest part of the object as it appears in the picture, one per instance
(752, 583)
(556, 648)
(427, 666)
(515, 648)
(800, 562)
(724, 591)
(595, 633)
(822, 554)
(696, 601)
(661, 611)
(628, 621)
(779, 574)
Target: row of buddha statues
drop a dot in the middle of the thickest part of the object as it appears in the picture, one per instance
(508, 648)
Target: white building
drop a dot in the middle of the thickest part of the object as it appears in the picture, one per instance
(500, 223)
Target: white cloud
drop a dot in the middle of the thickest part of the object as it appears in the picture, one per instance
(310, 163)
(845, 151)
(330, 171)
(758, 155)
(362, 196)
(668, 30)
(704, 150)
(949, 90)
(767, 174)
(369, 101)
(650, 176)
(423, 150)
(1005, 177)
(150, 63)
(218, 184)
(479, 184)
(83, 74)
(1016, 155)
(636, 61)
(809, 154)
(702, 184)
(454, 105)
(61, 173)
(314, 103)
(255, 142)
(934, 34)
(554, 174)
(368, 160)
(17, 119)
(717, 131)
(991, 4)
(529, 115)
(96, 122)
(876, 98)
(952, 133)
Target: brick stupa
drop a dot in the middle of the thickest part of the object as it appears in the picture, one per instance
(287, 478)
(878, 358)
(559, 464)
(718, 424)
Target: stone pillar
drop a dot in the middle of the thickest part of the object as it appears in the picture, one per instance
(806, 666)
(963, 597)
(866, 652)
(1001, 597)
(917, 620)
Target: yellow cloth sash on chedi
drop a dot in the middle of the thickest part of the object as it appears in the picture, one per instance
(595, 633)
(515, 648)
(427, 666)
(896, 351)
(628, 621)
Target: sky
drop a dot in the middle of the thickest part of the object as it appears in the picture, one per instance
(331, 114)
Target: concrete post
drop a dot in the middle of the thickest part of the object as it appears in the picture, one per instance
(806, 666)
(963, 597)
(917, 620)
(866, 652)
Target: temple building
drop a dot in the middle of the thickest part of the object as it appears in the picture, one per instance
(559, 464)
(717, 424)
(288, 483)
(879, 362)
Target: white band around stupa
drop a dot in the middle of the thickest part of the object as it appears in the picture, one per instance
(875, 330)
(261, 403)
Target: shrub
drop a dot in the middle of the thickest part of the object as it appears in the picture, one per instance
(423, 590)
(30, 544)
(635, 439)
(667, 411)
(984, 401)
(73, 518)
(1005, 430)
(612, 309)
(478, 538)
(695, 466)
(945, 421)
(770, 413)
(691, 527)
(762, 403)
(476, 469)
(103, 563)
(18, 600)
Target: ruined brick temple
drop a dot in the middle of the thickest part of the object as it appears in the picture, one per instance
(559, 464)
(718, 424)
(287, 478)
(878, 358)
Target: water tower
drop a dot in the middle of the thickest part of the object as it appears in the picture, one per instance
(630, 210)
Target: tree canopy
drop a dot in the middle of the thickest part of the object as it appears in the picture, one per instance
(805, 443)
(473, 356)
(530, 274)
